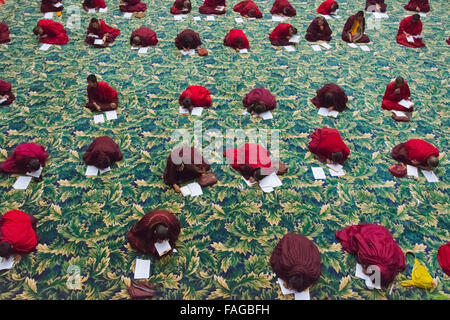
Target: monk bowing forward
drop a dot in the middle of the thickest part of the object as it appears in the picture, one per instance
(283, 8)
(99, 30)
(102, 153)
(26, 157)
(332, 97)
(93, 4)
(318, 30)
(17, 233)
(418, 6)
(248, 9)
(195, 96)
(132, 6)
(51, 32)
(375, 6)
(354, 29)
(212, 7)
(236, 39)
(187, 40)
(281, 35)
(409, 32)
(4, 33)
(328, 146)
(143, 37)
(181, 7)
(328, 7)
(418, 153)
(49, 6)
(6, 95)
(101, 97)
(259, 100)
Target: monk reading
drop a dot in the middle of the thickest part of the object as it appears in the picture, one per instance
(186, 164)
(132, 6)
(4, 33)
(17, 233)
(188, 40)
(259, 100)
(101, 97)
(181, 7)
(99, 30)
(236, 39)
(409, 32)
(418, 153)
(143, 37)
(155, 226)
(373, 245)
(418, 6)
(443, 258)
(330, 96)
(213, 7)
(354, 29)
(296, 260)
(51, 32)
(328, 7)
(26, 157)
(102, 153)
(283, 8)
(375, 6)
(328, 146)
(49, 6)
(6, 95)
(396, 91)
(248, 9)
(93, 4)
(318, 30)
(195, 96)
(281, 35)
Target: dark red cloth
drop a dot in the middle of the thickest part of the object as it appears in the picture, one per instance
(372, 5)
(313, 33)
(141, 236)
(325, 7)
(448, 41)
(4, 33)
(248, 158)
(209, 7)
(200, 96)
(398, 170)
(18, 161)
(181, 41)
(244, 7)
(94, 4)
(16, 228)
(280, 35)
(47, 6)
(414, 149)
(391, 99)
(279, 7)
(133, 6)
(408, 26)
(178, 6)
(374, 245)
(296, 255)
(348, 27)
(231, 39)
(101, 149)
(103, 95)
(101, 31)
(443, 258)
(340, 98)
(6, 89)
(261, 96)
(148, 36)
(56, 34)
(423, 5)
(187, 155)
(325, 141)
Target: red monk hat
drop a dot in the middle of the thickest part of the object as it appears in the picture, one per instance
(250, 154)
(443, 258)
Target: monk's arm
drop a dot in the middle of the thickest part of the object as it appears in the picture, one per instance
(176, 188)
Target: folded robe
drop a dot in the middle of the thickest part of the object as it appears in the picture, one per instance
(391, 99)
(244, 7)
(94, 4)
(141, 237)
(280, 35)
(48, 6)
(443, 258)
(16, 228)
(178, 7)
(414, 149)
(18, 161)
(279, 7)
(371, 4)
(101, 31)
(6, 89)
(340, 98)
(133, 6)
(4, 33)
(348, 27)
(209, 7)
(313, 33)
(423, 5)
(325, 7)
(200, 96)
(56, 34)
(231, 39)
(100, 149)
(408, 26)
(103, 95)
(261, 96)
(181, 41)
(326, 141)
(147, 36)
(248, 158)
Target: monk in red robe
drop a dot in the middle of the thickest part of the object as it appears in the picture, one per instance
(26, 157)
(186, 164)
(410, 27)
(6, 93)
(418, 6)
(375, 6)
(51, 32)
(283, 8)
(132, 6)
(181, 7)
(281, 35)
(49, 6)
(98, 29)
(318, 30)
(418, 153)
(296, 260)
(212, 7)
(93, 4)
(102, 153)
(259, 100)
(328, 146)
(448, 41)
(155, 226)
(373, 245)
(187, 40)
(354, 29)
(330, 96)
(17, 233)
(396, 91)
(328, 7)
(443, 258)
(195, 96)
(248, 9)
(236, 39)
(4, 33)
(143, 37)
(101, 97)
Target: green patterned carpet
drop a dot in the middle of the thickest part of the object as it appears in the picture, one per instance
(227, 234)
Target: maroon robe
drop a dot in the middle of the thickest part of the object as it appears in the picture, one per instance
(391, 99)
(22, 154)
(178, 7)
(231, 39)
(325, 141)
(448, 41)
(56, 34)
(414, 149)
(133, 6)
(94, 4)
(261, 96)
(6, 89)
(4, 33)
(280, 35)
(47, 6)
(101, 31)
(147, 36)
(244, 7)
(279, 7)
(348, 27)
(340, 98)
(313, 33)
(181, 41)
(16, 228)
(409, 27)
(209, 7)
(423, 5)
(372, 5)
(102, 153)
(103, 95)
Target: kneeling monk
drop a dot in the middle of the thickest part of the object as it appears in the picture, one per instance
(213, 7)
(4, 33)
(26, 157)
(418, 6)
(318, 30)
(236, 39)
(443, 258)
(296, 260)
(283, 8)
(410, 27)
(51, 32)
(101, 97)
(354, 29)
(418, 153)
(93, 4)
(49, 6)
(98, 29)
(188, 40)
(132, 6)
(195, 96)
(330, 96)
(328, 7)
(17, 233)
(143, 37)
(6, 93)
(375, 6)
(328, 146)
(396, 91)
(181, 7)
(248, 9)
(259, 100)
(281, 35)
(102, 153)
(155, 226)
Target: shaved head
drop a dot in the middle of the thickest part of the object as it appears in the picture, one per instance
(433, 161)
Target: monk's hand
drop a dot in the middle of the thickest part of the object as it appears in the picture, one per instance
(330, 109)
(252, 180)
(417, 9)
(397, 91)
(113, 105)
(378, 7)
(415, 163)
(96, 106)
(176, 188)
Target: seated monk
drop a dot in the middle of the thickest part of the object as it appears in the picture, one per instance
(354, 29)
(296, 260)
(418, 153)
(101, 97)
(330, 96)
(328, 146)
(102, 153)
(26, 157)
(6, 93)
(283, 8)
(195, 96)
(236, 39)
(93, 4)
(259, 100)
(188, 40)
(49, 6)
(318, 30)
(328, 7)
(4, 33)
(281, 35)
(51, 32)
(186, 164)
(443, 257)
(375, 6)
(373, 245)
(396, 91)
(248, 9)
(448, 41)
(17, 233)
(418, 6)
(98, 29)
(410, 26)
(132, 6)
(143, 37)
(181, 7)
(155, 226)
(212, 7)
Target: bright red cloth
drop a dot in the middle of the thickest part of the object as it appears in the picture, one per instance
(413, 29)
(231, 39)
(279, 7)
(279, 35)
(18, 161)
(420, 150)
(102, 94)
(443, 258)
(178, 6)
(100, 149)
(339, 97)
(133, 6)
(391, 99)
(200, 96)
(325, 7)
(47, 6)
(4, 33)
(16, 228)
(262, 96)
(148, 36)
(423, 5)
(325, 141)
(248, 158)
(244, 7)
(56, 34)
(209, 7)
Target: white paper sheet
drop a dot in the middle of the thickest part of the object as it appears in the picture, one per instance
(315, 47)
(406, 103)
(2, 100)
(352, 45)
(295, 39)
(384, 15)
(326, 16)
(418, 36)
(195, 188)
(104, 170)
(324, 112)
(36, 173)
(58, 5)
(271, 180)
(250, 184)
(22, 182)
(143, 50)
(360, 274)
(103, 10)
(251, 19)
(399, 113)
(99, 118)
(335, 16)
(91, 171)
(210, 18)
(267, 189)
(48, 15)
(220, 8)
(6, 264)
(410, 39)
(325, 45)
(377, 15)
(127, 14)
(197, 19)
(142, 269)
(412, 171)
(45, 47)
(289, 48)
(430, 176)
(92, 35)
(179, 17)
(111, 115)
(318, 173)
(284, 290)
(91, 10)
(134, 48)
(239, 20)
(197, 111)
(185, 191)
(304, 295)
(336, 170)
(183, 110)
(163, 247)
(364, 48)
(190, 52)
(278, 18)
(243, 51)
(423, 14)
(267, 115)
(98, 41)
